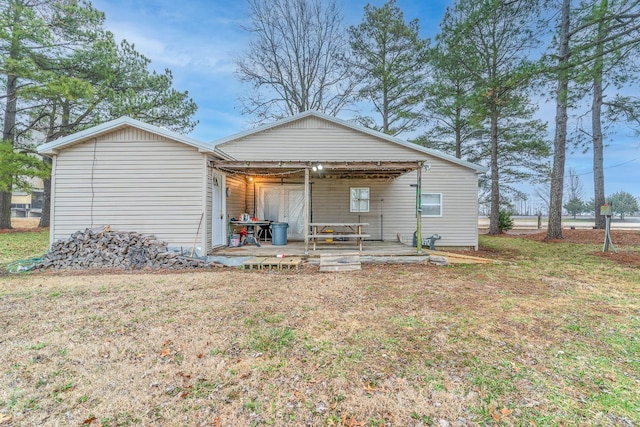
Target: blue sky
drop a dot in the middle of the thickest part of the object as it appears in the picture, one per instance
(198, 40)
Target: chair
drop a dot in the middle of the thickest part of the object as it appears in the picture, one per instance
(264, 232)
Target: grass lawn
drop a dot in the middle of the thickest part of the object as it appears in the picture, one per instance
(550, 338)
(19, 245)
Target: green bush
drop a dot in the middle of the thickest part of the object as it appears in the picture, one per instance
(505, 222)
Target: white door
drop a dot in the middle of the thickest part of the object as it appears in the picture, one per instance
(217, 211)
(283, 203)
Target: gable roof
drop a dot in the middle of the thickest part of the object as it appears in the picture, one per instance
(113, 125)
(219, 144)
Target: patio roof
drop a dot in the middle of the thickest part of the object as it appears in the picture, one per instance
(340, 170)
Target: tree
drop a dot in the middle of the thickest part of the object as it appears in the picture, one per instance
(493, 39)
(17, 167)
(574, 185)
(623, 203)
(601, 38)
(110, 81)
(297, 60)
(73, 77)
(389, 61)
(575, 206)
(448, 106)
(32, 34)
(542, 192)
(554, 225)
(612, 41)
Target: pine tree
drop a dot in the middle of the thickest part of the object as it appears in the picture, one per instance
(492, 40)
(32, 36)
(389, 61)
(448, 106)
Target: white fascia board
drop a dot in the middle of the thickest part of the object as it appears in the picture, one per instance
(219, 144)
(54, 146)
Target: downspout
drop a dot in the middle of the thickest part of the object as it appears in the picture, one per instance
(205, 209)
(52, 200)
(382, 220)
(419, 209)
(306, 210)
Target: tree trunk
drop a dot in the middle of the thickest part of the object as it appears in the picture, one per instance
(596, 123)
(494, 219)
(5, 205)
(45, 217)
(554, 228)
(458, 133)
(8, 135)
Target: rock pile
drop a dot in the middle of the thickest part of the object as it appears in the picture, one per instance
(104, 248)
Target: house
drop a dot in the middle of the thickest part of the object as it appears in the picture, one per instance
(28, 204)
(303, 169)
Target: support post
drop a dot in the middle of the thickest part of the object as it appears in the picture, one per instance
(606, 211)
(419, 210)
(306, 210)
(607, 236)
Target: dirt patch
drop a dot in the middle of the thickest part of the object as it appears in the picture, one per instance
(626, 258)
(620, 237)
(23, 225)
(627, 243)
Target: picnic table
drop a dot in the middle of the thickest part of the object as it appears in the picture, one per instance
(332, 230)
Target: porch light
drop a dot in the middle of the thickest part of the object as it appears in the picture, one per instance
(317, 167)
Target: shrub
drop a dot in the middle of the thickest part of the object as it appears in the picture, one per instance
(505, 222)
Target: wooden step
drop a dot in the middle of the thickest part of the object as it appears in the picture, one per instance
(290, 262)
(342, 262)
(269, 263)
(253, 262)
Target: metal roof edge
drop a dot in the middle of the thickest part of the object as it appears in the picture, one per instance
(264, 127)
(53, 146)
(345, 123)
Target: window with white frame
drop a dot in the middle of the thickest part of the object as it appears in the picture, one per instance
(359, 199)
(431, 204)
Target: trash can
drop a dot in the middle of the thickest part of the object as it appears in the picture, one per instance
(234, 240)
(279, 233)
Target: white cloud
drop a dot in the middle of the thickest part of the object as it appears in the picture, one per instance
(179, 49)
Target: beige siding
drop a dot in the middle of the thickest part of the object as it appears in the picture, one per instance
(237, 202)
(132, 180)
(458, 225)
(392, 205)
(315, 139)
(209, 204)
(330, 203)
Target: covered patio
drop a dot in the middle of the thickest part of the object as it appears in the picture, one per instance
(308, 173)
(297, 248)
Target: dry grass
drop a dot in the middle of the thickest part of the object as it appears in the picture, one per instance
(25, 223)
(530, 344)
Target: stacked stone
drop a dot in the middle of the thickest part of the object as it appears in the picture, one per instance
(104, 248)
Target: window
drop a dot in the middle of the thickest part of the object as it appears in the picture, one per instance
(431, 204)
(359, 199)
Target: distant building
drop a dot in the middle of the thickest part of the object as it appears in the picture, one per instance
(28, 204)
